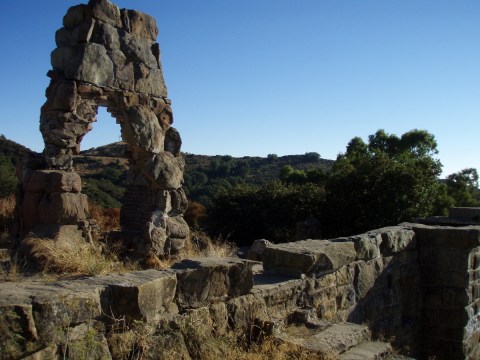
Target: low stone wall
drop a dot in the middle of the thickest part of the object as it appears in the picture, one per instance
(370, 278)
(415, 286)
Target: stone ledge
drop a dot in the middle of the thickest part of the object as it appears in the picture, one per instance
(308, 257)
(206, 280)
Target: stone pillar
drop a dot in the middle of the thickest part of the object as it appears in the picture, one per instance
(450, 279)
(109, 57)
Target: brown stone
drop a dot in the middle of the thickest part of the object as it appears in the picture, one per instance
(62, 208)
(140, 24)
(209, 279)
(142, 130)
(52, 181)
(89, 63)
(75, 15)
(165, 170)
(105, 11)
(177, 227)
(173, 141)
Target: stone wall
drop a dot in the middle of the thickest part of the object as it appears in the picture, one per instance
(415, 286)
(370, 278)
(109, 57)
(450, 279)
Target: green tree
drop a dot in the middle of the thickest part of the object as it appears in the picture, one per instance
(8, 179)
(383, 182)
(245, 212)
(463, 187)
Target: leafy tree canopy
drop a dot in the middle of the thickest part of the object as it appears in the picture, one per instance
(385, 181)
(463, 187)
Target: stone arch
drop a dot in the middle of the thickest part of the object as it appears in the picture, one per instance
(109, 57)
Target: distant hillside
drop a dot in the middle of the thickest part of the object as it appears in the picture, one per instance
(103, 170)
(204, 175)
(12, 150)
(10, 154)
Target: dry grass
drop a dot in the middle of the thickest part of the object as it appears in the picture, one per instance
(198, 245)
(108, 219)
(7, 210)
(62, 257)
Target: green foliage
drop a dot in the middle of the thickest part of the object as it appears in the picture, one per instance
(8, 179)
(206, 175)
(385, 182)
(312, 156)
(10, 154)
(462, 187)
(107, 187)
(245, 212)
(289, 175)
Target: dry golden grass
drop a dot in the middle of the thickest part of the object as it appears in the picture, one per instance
(108, 219)
(198, 245)
(7, 211)
(62, 257)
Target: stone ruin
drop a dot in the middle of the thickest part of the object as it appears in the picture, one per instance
(108, 57)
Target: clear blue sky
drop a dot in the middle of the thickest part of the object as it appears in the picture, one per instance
(254, 77)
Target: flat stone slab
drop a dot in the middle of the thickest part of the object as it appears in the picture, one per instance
(334, 340)
(308, 257)
(38, 312)
(370, 350)
(467, 213)
(205, 280)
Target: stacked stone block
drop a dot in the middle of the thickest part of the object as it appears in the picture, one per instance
(109, 57)
(450, 282)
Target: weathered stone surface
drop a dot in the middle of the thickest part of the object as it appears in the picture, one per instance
(48, 353)
(173, 142)
(142, 129)
(207, 280)
(123, 71)
(308, 257)
(333, 341)
(106, 35)
(62, 208)
(368, 350)
(138, 50)
(394, 239)
(105, 11)
(157, 238)
(179, 202)
(61, 96)
(367, 246)
(17, 329)
(151, 83)
(87, 341)
(107, 57)
(75, 15)
(257, 249)
(51, 181)
(469, 213)
(140, 295)
(58, 157)
(79, 34)
(177, 227)
(89, 63)
(366, 274)
(140, 24)
(165, 170)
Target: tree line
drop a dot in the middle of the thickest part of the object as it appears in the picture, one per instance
(384, 181)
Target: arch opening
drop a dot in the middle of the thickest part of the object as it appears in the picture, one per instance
(107, 57)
